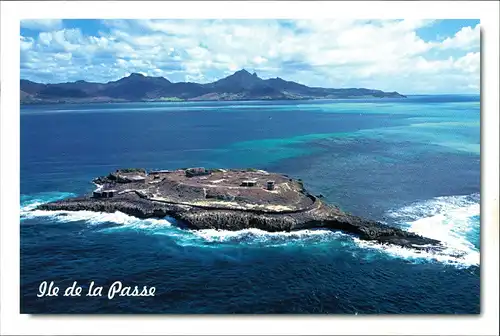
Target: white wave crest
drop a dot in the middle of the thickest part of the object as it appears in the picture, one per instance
(260, 237)
(450, 256)
(438, 205)
(28, 211)
(29, 203)
(96, 218)
(449, 219)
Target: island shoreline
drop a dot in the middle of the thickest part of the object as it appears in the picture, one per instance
(202, 201)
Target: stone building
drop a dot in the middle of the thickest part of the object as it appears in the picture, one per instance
(249, 183)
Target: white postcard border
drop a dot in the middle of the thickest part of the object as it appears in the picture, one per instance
(12, 322)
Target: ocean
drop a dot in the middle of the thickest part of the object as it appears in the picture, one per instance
(412, 163)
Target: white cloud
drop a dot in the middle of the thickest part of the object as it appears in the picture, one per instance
(26, 43)
(42, 24)
(467, 38)
(387, 55)
(469, 63)
(259, 60)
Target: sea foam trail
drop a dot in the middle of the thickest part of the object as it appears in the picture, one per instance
(29, 204)
(449, 219)
(96, 218)
(454, 220)
(264, 238)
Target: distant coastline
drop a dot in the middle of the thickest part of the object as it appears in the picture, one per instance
(240, 86)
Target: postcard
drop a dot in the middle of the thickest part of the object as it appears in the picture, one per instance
(250, 166)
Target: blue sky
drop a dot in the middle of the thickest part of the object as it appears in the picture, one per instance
(408, 56)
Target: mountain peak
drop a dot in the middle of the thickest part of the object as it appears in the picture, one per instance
(136, 74)
(240, 80)
(242, 71)
(141, 77)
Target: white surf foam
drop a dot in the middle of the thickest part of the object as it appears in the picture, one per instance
(208, 237)
(223, 235)
(260, 237)
(95, 218)
(29, 205)
(449, 219)
(29, 202)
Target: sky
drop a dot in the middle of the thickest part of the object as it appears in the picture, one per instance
(408, 56)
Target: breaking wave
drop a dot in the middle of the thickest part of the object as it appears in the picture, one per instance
(454, 220)
(30, 202)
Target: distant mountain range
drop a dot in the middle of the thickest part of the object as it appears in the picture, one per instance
(241, 85)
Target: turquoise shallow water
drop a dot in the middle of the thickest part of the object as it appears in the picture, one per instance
(412, 163)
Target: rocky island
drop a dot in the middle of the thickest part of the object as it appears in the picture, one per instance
(232, 199)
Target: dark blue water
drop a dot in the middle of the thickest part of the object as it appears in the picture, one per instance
(412, 163)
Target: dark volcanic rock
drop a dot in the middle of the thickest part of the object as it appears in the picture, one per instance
(287, 207)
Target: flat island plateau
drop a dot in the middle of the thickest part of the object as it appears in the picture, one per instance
(230, 199)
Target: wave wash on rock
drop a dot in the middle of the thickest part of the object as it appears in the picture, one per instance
(235, 199)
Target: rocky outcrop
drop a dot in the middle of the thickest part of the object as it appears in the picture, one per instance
(200, 217)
